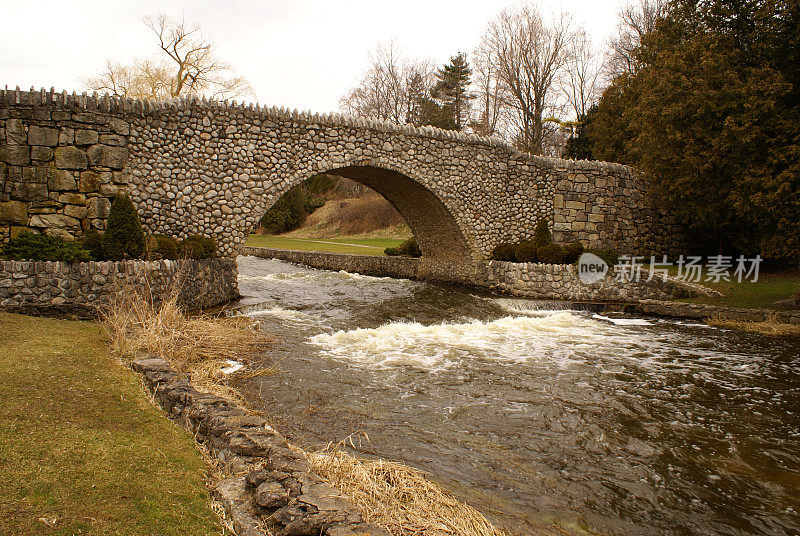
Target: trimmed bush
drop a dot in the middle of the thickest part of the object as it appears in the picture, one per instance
(610, 256)
(92, 241)
(124, 238)
(504, 252)
(541, 235)
(41, 247)
(550, 254)
(161, 246)
(572, 252)
(408, 248)
(198, 247)
(525, 251)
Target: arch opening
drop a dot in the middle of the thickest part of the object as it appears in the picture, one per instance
(445, 249)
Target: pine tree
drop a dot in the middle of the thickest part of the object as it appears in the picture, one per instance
(451, 87)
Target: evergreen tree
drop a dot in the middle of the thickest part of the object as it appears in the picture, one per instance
(451, 88)
(124, 237)
(713, 118)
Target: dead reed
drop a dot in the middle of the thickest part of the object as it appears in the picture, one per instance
(769, 327)
(399, 497)
(138, 326)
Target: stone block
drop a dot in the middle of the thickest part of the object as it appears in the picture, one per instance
(66, 136)
(106, 156)
(42, 154)
(72, 199)
(112, 139)
(70, 157)
(119, 126)
(54, 221)
(86, 137)
(31, 191)
(15, 132)
(16, 155)
(98, 207)
(59, 180)
(42, 136)
(575, 205)
(14, 212)
(76, 211)
(89, 182)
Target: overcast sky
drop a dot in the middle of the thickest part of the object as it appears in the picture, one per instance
(297, 53)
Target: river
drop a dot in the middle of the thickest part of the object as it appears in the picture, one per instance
(540, 415)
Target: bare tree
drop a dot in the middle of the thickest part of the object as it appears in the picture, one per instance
(636, 20)
(188, 65)
(581, 81)
(489, 94)
(528, 56)
(391, 87)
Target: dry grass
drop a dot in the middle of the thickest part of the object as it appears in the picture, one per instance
(353, 216)
(201, 346)
(769, 327)
(399, 497)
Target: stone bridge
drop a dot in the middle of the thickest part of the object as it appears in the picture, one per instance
(205, 167)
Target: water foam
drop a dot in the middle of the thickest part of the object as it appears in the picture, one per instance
(508, 339)
(282, 313)
(624, 321)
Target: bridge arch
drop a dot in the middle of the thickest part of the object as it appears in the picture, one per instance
(445, 241)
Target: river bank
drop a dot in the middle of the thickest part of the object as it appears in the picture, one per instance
(82, 450)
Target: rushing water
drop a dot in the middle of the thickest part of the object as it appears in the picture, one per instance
(592, 422)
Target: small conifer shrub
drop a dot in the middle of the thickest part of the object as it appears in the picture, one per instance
(124, 237)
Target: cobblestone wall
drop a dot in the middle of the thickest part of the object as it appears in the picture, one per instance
(210, 168)
(528, 280)
(60, 288)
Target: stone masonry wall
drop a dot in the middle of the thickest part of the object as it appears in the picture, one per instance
(374, 265)
(561, 282)
(61, 288)
(210, 168)
(527, 280)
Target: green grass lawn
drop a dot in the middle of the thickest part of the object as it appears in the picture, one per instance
(81, 443)
(358, 246)
(770, 287)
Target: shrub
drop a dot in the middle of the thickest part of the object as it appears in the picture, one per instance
(408, 248)
(161, 246)
(198, 247)
(92, 241)
(124, 238)
(572, 252)
(525, 251)
(541, 235)
(608, 255)
(41, 247)
(550, 254)
(504, 252)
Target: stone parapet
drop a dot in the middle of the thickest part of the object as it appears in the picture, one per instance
(80, 289)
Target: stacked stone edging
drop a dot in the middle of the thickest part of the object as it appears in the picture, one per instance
(374, 265)
(561, 282)
(703, 312)
(528, 280)
(81, 288)
(273, 486)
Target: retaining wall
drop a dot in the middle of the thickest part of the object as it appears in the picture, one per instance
(702, 312)
(379, 266)
(78, 289)
(529, 280)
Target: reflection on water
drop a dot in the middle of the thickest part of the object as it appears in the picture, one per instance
(591, 421)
